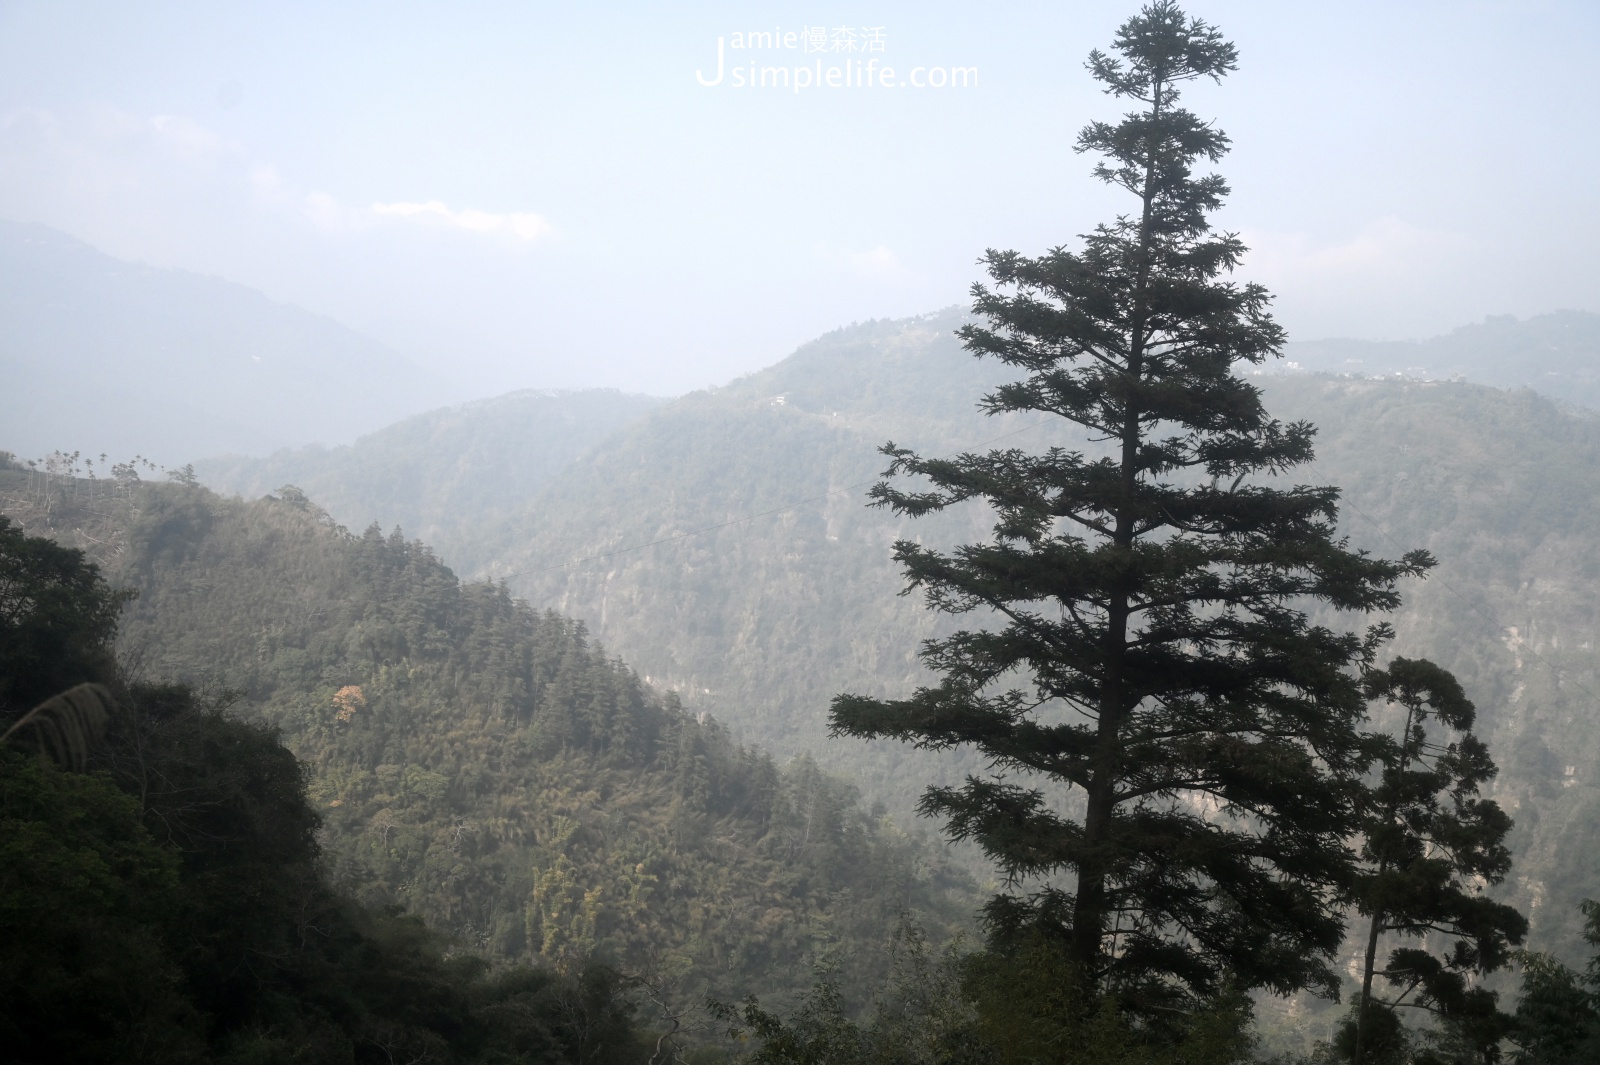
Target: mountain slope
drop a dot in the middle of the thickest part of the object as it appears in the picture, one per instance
(761, 622)
(443, 474)
(489, 767)
(763, 619)
(102, 355)
(807, 429)
(1556, 355)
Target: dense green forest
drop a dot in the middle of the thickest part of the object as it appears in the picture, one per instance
(488, 767)
(191, 892)
(163, 895)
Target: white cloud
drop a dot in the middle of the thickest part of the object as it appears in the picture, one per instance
(523, 225)
(1389, 278)
(330, 216)
(186, 137)
(36, 117)
(139, 186)
(874, 262)
(1386, 245)
(155, 186)
(878, 264)
(266, 182)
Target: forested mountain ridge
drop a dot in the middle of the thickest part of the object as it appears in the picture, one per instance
(1504, 489)
(804, 431)
(1556, 355)
(488, 767)
(443, 474)
(104, 355)
(164, 898)
(763, 620)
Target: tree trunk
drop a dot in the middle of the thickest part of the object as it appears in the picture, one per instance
(1364, 1003)
(1091, 910)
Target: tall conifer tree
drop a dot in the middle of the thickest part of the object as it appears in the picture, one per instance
(1430, 844)
(1150, 644)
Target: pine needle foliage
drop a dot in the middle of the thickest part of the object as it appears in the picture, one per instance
(1558, 1014)
(1141, 616)
(1431, 844)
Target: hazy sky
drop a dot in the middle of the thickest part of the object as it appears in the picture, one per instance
(545, 195)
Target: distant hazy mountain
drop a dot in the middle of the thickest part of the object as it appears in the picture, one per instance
(442, 475)
(1556, 354)
(101, 355)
